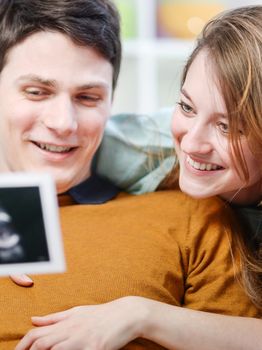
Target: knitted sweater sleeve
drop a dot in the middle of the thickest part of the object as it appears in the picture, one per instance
(212, 280)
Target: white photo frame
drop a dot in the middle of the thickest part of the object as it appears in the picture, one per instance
(30, 236)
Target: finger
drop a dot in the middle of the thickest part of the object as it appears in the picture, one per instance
(30, 338)
(49, 341)
(22, 280)
(51, 318)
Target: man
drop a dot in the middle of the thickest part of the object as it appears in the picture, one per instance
(59, 120)
(59, 63)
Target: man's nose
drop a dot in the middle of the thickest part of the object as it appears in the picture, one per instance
(197, 139)
(60, 116)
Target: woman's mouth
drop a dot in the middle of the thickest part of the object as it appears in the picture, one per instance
(203, 166)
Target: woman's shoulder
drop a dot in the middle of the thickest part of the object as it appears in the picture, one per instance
(175, 199)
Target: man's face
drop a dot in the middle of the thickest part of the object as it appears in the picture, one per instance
(55, 98)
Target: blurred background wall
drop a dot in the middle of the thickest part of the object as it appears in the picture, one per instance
(157, 37)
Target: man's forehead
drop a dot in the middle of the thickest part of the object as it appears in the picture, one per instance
(43, 44)
(65, 63)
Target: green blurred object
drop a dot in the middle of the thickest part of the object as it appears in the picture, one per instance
(127, 12)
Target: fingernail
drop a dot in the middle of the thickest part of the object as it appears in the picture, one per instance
(25, 278)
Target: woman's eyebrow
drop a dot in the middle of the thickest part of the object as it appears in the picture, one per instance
(186, 94)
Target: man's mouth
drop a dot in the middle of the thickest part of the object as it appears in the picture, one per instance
(54, 148)
(203, 166)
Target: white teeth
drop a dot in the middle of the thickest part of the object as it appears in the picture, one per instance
(196, 165)
(53, 148)
(202, 166)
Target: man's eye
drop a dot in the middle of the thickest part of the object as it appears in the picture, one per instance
(88, 100)
(185, 107)
(35, 92)
(89, 97)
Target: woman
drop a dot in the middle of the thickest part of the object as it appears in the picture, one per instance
(217, 132)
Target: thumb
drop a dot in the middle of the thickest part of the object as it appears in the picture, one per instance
(22, 280)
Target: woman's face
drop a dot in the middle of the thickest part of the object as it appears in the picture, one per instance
(200, 129)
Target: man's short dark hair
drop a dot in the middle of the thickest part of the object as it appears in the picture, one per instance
(92, 23)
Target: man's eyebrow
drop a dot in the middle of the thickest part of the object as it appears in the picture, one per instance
(185, 93)
(37, 79)
(53, 83)
(94, 85)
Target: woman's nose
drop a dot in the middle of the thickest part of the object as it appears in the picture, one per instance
(197, 139)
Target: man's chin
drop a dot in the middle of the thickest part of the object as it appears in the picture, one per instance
(63, 186)
(61, 189)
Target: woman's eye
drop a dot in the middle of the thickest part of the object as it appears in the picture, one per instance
(185, 107)
(223, 127)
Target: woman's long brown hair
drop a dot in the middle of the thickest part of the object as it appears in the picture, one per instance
(233, 41)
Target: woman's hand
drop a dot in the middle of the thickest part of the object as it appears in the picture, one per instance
(106, 326)
(112, 325)
(22, 280)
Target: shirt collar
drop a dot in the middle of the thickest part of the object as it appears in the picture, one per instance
(94, 190)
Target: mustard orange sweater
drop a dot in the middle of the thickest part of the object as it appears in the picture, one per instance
(164, 245)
